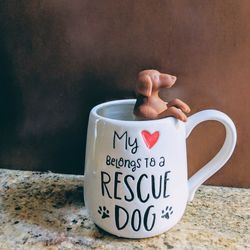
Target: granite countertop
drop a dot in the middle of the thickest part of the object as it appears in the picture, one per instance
(46, 211)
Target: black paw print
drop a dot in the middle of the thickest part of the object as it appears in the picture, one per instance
(104, 212)
(167, 212)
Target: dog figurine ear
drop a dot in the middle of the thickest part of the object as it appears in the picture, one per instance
(144, 86)
(166, 80)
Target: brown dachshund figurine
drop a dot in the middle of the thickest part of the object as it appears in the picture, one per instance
(149, 105)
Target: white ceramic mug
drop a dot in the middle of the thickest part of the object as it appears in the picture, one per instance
(136, 182)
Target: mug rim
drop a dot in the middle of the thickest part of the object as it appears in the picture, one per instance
(95, 109)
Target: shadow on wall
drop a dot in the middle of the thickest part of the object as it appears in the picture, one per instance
(10, 103)
(49, 133)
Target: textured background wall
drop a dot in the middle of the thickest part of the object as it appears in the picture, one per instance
(60, 58)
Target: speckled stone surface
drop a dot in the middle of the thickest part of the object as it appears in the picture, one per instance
(46, 211)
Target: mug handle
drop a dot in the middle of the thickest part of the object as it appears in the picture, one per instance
(221, 157)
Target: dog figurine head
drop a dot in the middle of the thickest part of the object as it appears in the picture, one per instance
(151, 81)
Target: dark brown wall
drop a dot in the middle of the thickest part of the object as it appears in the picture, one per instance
(60, 58)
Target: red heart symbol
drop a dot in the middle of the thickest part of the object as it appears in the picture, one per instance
(150, 139)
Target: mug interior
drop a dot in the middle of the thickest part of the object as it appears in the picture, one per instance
(117, 111)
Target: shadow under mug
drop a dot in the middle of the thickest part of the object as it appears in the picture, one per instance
(135, 182)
